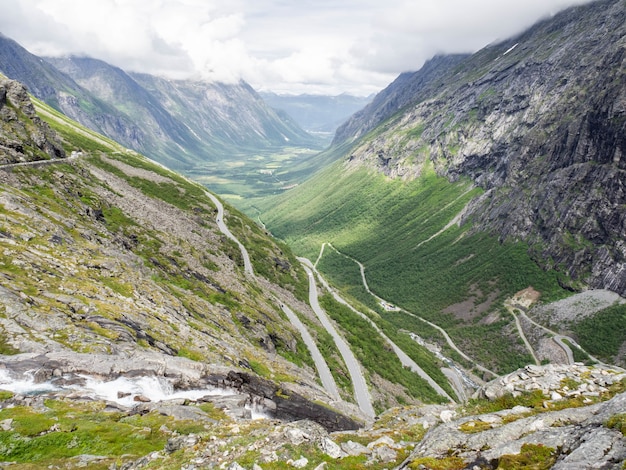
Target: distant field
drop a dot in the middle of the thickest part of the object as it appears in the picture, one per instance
(255, 175)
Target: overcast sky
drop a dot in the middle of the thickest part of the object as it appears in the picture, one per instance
(286, 46)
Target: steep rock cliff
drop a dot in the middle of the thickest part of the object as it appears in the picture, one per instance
(23, 135)
(539, 122)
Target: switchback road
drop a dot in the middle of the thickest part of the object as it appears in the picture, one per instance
(402, 356)
(361, 392)
(437, 327)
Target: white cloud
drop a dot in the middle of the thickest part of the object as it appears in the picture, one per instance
(323, 46)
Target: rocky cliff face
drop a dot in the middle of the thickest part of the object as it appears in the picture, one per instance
(409, 88)
(539, 122)
(24, 136)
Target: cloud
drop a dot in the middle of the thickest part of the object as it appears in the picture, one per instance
(404, 37)
(323, 46)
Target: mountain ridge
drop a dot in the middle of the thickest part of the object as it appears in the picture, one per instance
(518, 123)
(171, 133)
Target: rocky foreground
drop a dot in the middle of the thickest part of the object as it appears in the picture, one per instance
(552, 416)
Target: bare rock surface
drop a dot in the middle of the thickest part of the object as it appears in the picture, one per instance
(26, 139)
(578, 435)
(563, 380)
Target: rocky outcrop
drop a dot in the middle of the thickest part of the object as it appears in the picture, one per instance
(285, 404)
(24, 137)
(537, 121)
(556, 381)
(524, 423)
(553, 434)
(578, 436)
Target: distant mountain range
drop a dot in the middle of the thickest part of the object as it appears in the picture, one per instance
(179, 123)
(316, 113)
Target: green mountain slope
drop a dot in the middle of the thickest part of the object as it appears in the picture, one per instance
(110, 255)
(415, 254)
(488, 175)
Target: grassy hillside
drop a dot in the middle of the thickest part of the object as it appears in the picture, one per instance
(135, 249)
(414, 253)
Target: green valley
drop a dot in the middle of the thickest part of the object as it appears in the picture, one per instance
(416, 254)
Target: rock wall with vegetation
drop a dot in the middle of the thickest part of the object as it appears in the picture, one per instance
(109, 256)
(537, 121)
(24, 136)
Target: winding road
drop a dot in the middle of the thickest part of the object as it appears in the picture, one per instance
(437, 327)
(511, 308)
(361, 392)
(405, 360)
(326, 377)
(559, 339)
(247, 264)
(328, 381)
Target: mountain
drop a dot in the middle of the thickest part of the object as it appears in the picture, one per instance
(534, 123)
(63, 93)
(317, 113)
(108, 253)
(408, 88)
(137, 331)
(144, 324)
(480, 180)
(183, 123)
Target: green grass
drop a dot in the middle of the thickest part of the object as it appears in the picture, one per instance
(5, 347)
(345, 272)
(179, 192)
(75, 136)
(270, 259)
(604, 333)
(395, 229)
(531, 456)
(257, 174)
(618, 422)
(67, 429)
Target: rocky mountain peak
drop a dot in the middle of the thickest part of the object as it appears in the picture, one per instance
(26, 138)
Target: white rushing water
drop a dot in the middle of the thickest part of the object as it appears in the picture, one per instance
(25, 385)
(122, 390)
(154, 388)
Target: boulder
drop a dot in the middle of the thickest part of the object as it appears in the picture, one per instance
(354, 448)
(332, 449)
